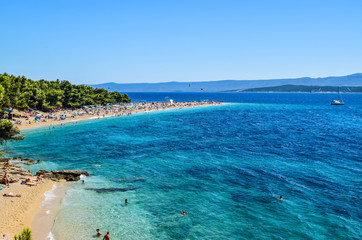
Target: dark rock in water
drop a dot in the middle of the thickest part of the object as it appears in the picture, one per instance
(131, 180)
(166, 187)
(67, 175)
(102, 190)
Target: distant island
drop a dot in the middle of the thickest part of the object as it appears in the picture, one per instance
(301, 89)
(354, 80)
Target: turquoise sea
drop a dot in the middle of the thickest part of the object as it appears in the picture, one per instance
(224, 165)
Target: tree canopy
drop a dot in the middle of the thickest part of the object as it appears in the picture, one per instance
(8, 131)
(22, 93)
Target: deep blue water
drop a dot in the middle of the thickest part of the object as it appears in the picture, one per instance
(278, 98)
(225, 165)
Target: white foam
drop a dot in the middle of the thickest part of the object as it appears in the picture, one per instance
(49, 195)
(50, 236)
(82, 176)
(47, 212)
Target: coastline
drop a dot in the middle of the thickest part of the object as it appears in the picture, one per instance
(43, 221)
(17, 213)
(39, 205)
(89, 117)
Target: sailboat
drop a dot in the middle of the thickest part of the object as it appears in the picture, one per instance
(339, 101)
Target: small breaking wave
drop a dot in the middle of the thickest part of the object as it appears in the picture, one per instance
(49, 195)
(50, 236)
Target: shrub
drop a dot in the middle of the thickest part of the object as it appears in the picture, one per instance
(25, 235)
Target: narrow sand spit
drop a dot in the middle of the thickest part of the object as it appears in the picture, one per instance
(85, 117)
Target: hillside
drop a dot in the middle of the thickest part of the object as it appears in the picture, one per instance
(227, 85)
(22, 93)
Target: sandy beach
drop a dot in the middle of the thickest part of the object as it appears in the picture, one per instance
(137, 108)
(44, 219)
(19, 212)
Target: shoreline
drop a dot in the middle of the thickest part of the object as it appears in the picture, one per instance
(16, 213)
(44, 220)
(33, 206)
(130, 112)
(39, 205)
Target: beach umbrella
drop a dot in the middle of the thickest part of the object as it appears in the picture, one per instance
(7, 110)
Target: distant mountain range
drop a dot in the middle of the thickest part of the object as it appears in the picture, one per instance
(302, 89)
(230, 85)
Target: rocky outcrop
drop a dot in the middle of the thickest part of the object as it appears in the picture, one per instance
(27, 161)
(64, 175)
(15, 172)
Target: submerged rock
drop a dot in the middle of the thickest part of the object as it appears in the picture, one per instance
(102, 190)
(67, 175)
(131, 180)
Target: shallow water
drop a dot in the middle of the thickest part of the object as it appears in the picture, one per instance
(224, 165)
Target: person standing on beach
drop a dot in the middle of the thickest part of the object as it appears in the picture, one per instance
(106, 237)
(6, 179)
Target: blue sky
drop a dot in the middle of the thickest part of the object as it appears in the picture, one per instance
(179, 40)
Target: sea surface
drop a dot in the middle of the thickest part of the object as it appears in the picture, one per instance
(224, 165)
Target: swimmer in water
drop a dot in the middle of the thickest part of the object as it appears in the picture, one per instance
(183, 213)
(280, 198)
(98, 233)
(126, 201)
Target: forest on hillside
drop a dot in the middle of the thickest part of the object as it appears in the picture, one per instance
(22, 93)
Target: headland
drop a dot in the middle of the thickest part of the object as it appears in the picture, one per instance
(31, 119)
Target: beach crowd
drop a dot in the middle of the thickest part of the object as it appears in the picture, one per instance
(30, 118)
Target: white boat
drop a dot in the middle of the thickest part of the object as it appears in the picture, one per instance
(339, 101)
